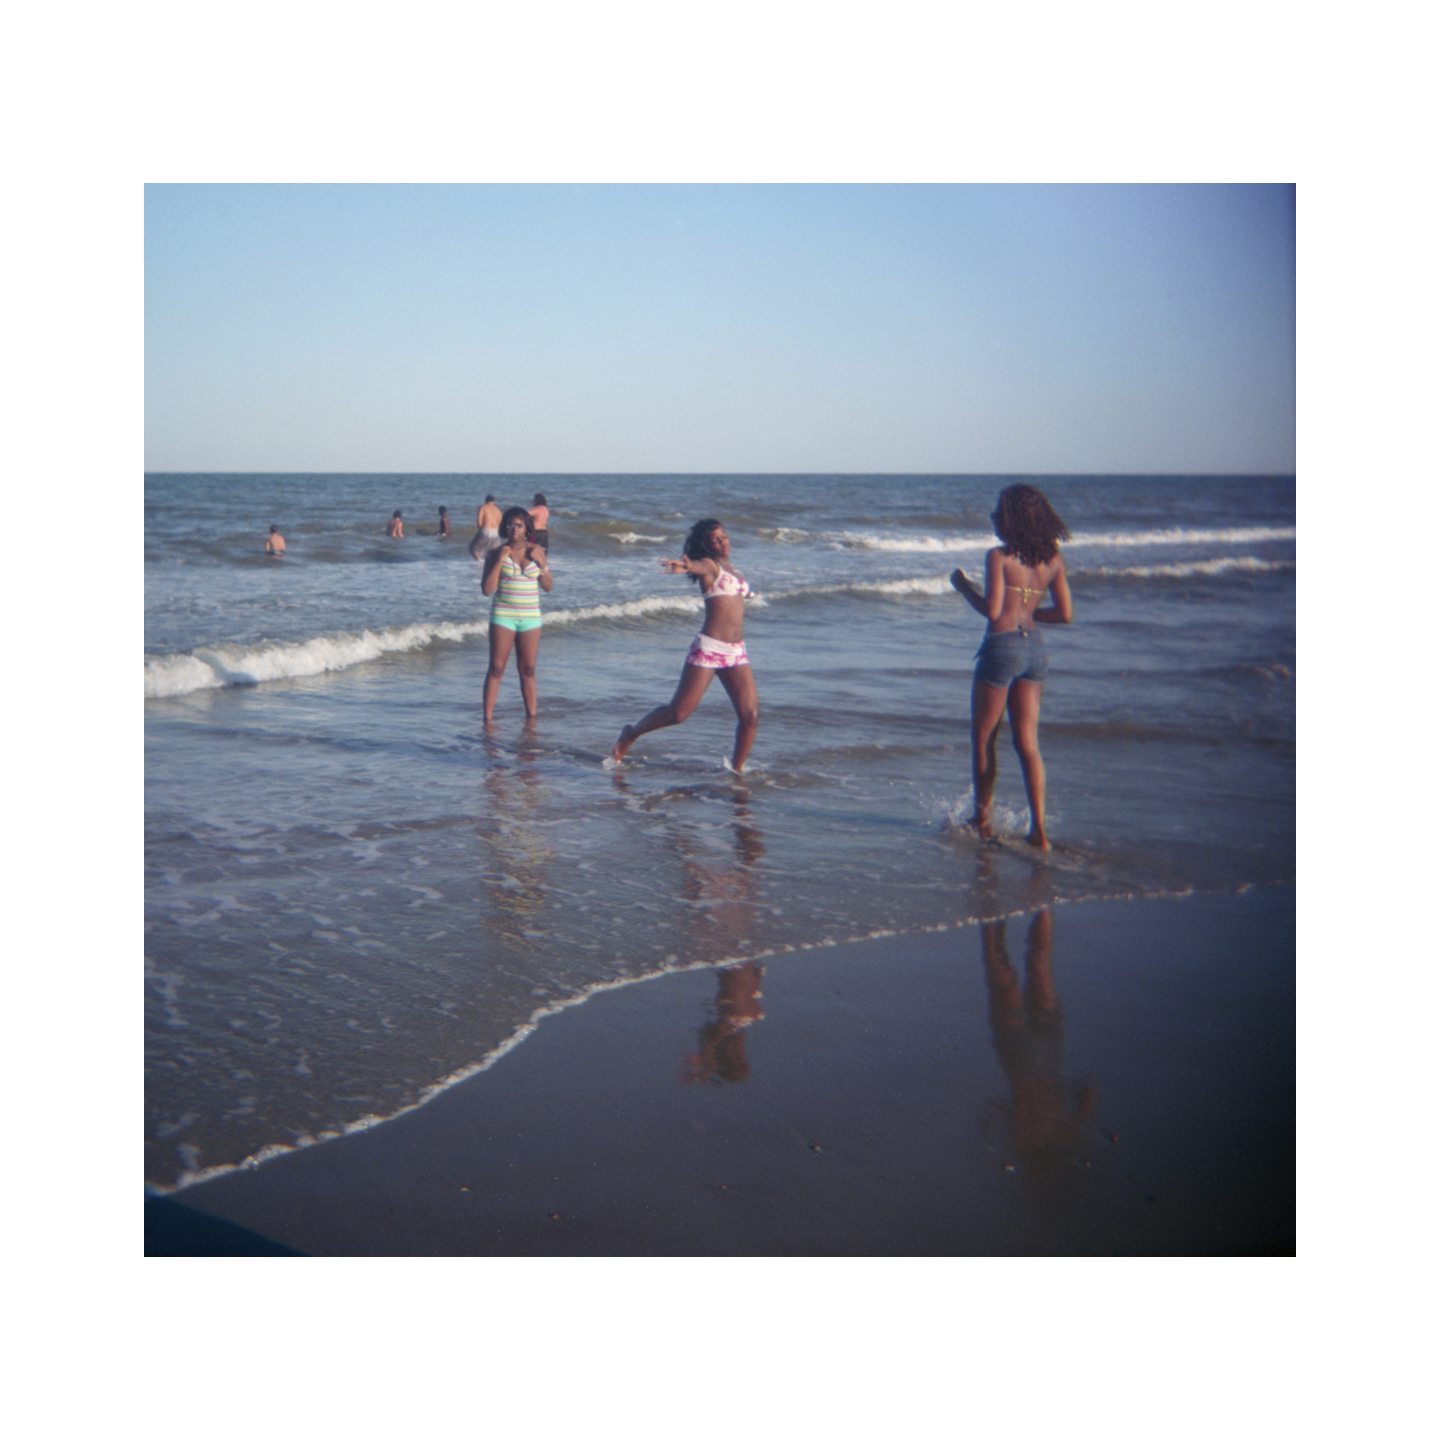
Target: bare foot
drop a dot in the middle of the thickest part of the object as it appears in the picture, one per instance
(623, 744)
(1037, 839)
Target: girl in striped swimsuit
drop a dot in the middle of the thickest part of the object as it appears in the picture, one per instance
(515, 573)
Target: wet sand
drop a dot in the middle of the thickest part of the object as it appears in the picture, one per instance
(1113, 1077)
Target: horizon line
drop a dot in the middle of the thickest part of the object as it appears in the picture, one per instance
(848, 474)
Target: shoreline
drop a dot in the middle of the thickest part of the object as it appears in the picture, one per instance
(1118, 1079)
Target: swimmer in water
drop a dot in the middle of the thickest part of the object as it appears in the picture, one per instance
(275, 545)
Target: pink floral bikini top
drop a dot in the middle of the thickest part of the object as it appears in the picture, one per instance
(727, 582)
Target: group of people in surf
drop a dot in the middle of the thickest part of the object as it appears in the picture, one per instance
(1025, 569)
(487, 527)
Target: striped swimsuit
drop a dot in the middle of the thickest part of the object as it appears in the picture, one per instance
(516, 605)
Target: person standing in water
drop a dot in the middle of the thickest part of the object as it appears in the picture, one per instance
(443, 532)
(395, 530)
(719, 648)
(487, 525)
(515, 573)
(275, 545)
(540, 521)
(1011, 664)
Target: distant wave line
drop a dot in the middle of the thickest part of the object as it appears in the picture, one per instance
(231, 665)
(940, 584)
(224, 666)
(930, 544)
(1249, 564)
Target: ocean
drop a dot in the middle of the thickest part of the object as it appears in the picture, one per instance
(357, 895)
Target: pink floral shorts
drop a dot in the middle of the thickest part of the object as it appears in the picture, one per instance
(712, 654)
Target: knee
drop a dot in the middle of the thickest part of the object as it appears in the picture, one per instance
(527, 671)
(1027, 747)
(749, 714)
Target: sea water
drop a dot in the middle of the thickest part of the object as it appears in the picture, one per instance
(357, 893)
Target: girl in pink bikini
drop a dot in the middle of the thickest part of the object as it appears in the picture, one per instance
(719, 648)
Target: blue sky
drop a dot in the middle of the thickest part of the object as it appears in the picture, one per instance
(860, 328)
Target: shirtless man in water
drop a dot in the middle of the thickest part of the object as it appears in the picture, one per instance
(395, 530)
(275, 545)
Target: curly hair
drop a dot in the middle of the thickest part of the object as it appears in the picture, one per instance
(1027, 525)
(517, 512)
(697, 543)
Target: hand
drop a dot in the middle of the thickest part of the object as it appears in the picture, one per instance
(960, 581)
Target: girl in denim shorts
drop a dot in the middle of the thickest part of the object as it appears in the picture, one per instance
(1011, 663)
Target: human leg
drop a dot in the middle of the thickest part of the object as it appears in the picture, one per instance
(739, 684)
(987, 705)
(694, 681)
(502, 641)
(527, 651)
(1025, 729)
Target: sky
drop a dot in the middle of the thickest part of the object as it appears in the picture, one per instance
(544, 329)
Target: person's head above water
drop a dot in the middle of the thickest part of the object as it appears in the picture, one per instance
(274, 529)
(539, 499)
(1027, 525)
(396, 515)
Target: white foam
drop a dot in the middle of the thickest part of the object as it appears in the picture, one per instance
(217, 666)
(908, 544)
(1248, 564)
(1176, 536)
(949, 544)
(631, 538)
(927, 585)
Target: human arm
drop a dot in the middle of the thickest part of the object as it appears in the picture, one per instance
(538, 556)
(992, 602)
(707, 570)
(1062, 611)
(491, 577)
(961, 581)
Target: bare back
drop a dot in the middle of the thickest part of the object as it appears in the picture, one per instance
(1019, 588)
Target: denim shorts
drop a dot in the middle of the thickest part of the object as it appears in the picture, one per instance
(1009, 655)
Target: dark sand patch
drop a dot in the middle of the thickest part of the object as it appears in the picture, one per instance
(918, 1095)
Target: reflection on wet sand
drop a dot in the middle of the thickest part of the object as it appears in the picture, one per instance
(1045, 1110)
(721, 892)
(721, 1057)
(516, 850)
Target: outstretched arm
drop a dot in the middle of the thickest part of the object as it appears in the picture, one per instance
(706, 569)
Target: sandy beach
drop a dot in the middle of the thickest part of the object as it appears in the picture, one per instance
(1112, 1077)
